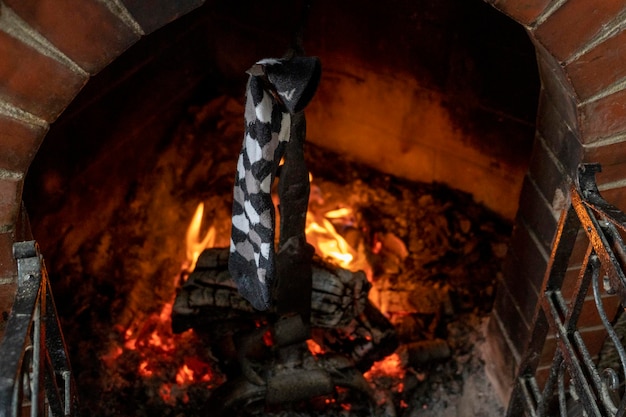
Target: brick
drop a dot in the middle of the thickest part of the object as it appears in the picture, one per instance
(10, 197)
(542, 375)
(599, 68)
(548, 351)
(594, 339)
(556, 90)
(524, 11)
(612, 157)
(580, 249)
(8, 266)
(516, 327)
(538, 214)
(588, 17)
(558, 137)
(519, 287)
(502, 364)
(34, 82)
(545, 173)
(616, 197)
(155, 14)
(589, 316)
(8, 278)
(94, 37)
(19, 141)
(606, 153)
(569, 283)
(603, 117)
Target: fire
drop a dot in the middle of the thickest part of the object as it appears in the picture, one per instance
(144, 371)
(314, 348)
(328, 243)
(195, 243)
(184, 375)
(391, 367)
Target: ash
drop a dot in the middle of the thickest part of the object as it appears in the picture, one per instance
(435, 258)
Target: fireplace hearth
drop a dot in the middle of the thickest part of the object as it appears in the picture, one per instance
(432, 254)
(458, 109)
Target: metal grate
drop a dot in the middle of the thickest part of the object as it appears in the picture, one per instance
(35, 374)
(578, 381)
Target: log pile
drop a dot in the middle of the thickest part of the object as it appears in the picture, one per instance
(352, 333)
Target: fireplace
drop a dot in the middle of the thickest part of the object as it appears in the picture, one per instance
(456, 119)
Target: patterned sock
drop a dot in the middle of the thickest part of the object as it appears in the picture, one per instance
(276, 89)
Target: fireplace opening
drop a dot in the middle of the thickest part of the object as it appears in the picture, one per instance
(421, 130)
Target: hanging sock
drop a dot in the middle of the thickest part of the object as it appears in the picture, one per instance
(277, 89)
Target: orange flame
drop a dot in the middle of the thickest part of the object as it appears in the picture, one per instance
(328, 243)
(195, 243)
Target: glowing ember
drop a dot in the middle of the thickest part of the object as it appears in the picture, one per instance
(314, 348)
(391, 367)
(195, 243)
(166, 393)
(184, 375)
(144, 371)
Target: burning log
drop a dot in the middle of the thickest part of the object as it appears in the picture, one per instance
(274, 366)
(342, 318)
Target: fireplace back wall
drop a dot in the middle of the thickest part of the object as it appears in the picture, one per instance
(448, 111)
(443, 117)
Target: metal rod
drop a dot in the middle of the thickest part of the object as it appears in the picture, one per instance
(606, 252)
(34, 395)
(33, 330)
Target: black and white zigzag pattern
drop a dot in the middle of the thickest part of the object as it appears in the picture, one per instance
(252, 242)
(275, 89)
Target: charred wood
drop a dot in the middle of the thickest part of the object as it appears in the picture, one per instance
(342, 318)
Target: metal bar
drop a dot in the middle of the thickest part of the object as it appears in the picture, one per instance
(35, 402)
(16, 340)
(612, 335)
(552, 381)
(33, 332)
(571, 359)
(581, 288)
(555, 274)
(528, 396)
(561, 389)
(606, 252)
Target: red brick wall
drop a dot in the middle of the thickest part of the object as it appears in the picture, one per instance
(581, 56)
(49, 49)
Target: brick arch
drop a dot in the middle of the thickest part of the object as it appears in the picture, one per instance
(581, 55)
(45, 62)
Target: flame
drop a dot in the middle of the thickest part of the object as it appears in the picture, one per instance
(195, 243)
(328, 243)
(344, 212)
